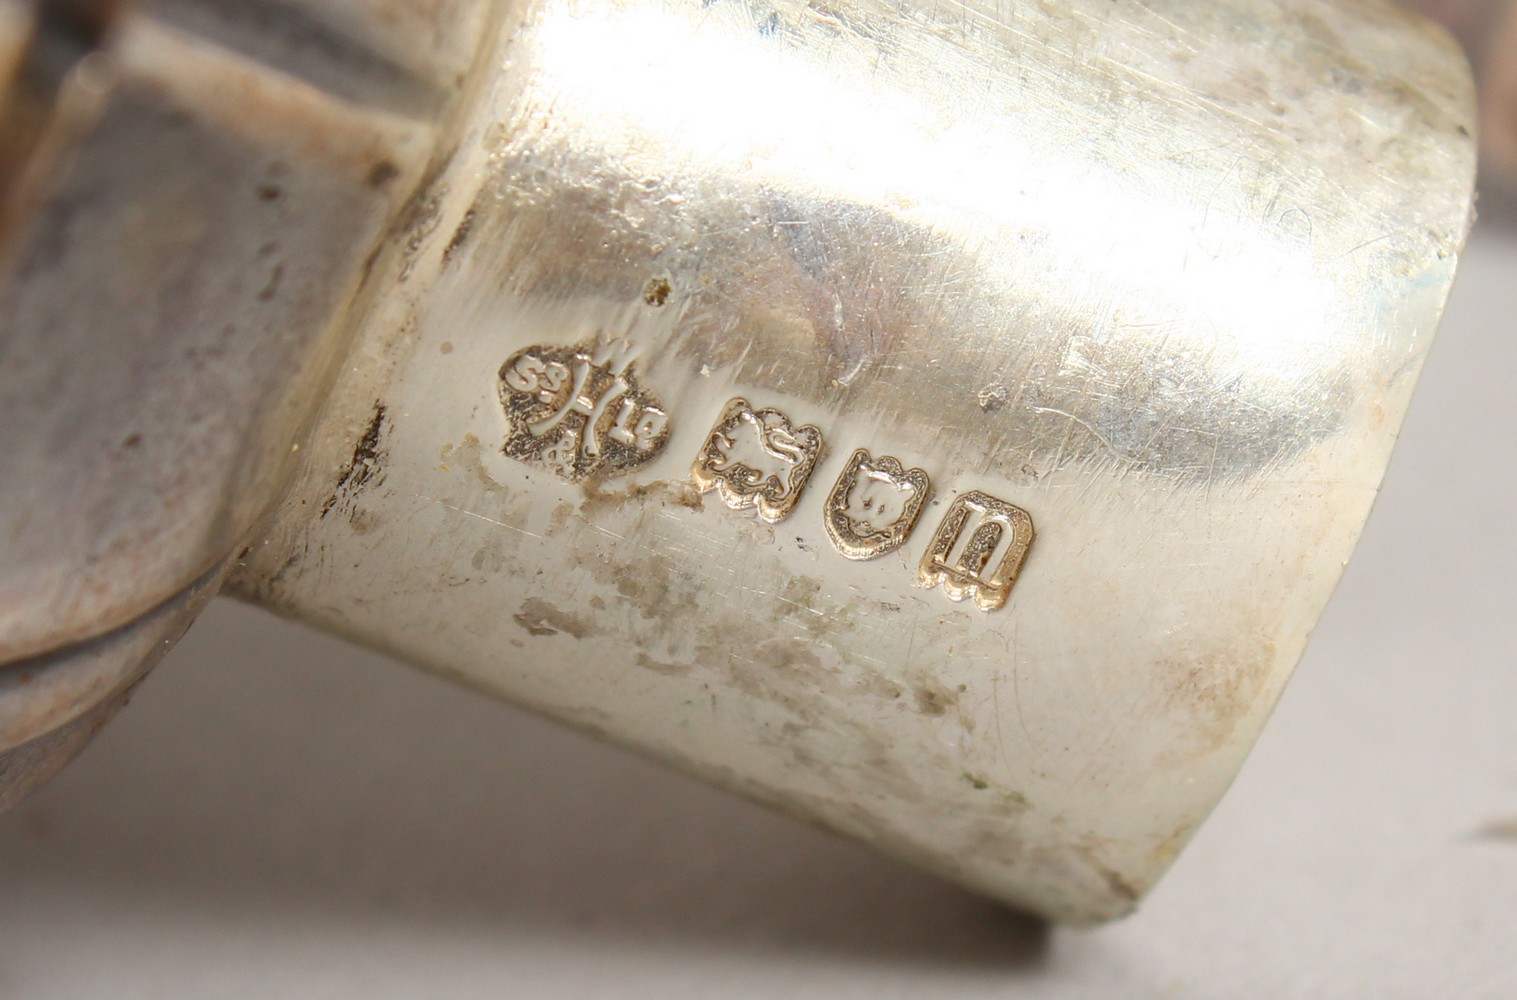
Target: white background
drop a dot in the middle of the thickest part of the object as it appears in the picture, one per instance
(281, 815)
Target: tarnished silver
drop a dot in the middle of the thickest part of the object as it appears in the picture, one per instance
(548, 343)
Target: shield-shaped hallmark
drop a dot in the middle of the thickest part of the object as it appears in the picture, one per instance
(874, 505)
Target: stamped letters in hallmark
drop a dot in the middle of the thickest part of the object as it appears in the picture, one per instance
(978, 549)
(874, 505)
(579, 418)
(757, 458)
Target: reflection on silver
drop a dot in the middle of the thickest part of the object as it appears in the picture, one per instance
(1163, 274)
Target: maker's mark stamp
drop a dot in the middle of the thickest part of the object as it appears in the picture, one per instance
(578, 417)
(978, 549)
(874, 505)
(757, 458)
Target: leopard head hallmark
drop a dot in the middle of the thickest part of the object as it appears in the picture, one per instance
(874, 505)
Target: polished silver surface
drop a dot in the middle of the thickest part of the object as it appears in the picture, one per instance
(1158, 278)
(696, 373)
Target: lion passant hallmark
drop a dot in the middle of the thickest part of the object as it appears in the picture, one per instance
(757, 458)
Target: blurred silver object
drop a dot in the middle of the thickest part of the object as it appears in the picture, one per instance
(1488, 31)
(942, 421)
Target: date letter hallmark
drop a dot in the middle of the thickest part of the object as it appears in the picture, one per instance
(978, 550)
(874, 505)
(757, 458)
(576, 417)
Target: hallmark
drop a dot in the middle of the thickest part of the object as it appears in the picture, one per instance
(874, 505)
(978, 550)
(757, 458)
(578, 417)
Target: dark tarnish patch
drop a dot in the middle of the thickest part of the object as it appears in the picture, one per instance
(935, 700)
(540, 618)
(366, 468)
(74, 28)
(421, 216)
(271, 287)
(1088, 856)
(1119, 886)
(460, 237)
(422, 221)
(656, 292)
(382, 173)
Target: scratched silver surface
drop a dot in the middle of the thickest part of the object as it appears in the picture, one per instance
(1159, 275)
